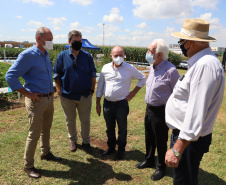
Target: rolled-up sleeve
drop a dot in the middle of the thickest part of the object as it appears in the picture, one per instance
(57, 68)
(202, 92)
(19, 68)
(139, 76)
(100, 86)
(92, 67)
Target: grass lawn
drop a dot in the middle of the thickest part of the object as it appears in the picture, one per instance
(82, 167)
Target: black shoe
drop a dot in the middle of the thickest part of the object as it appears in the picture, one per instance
(119, 155)
(50, 157)
(86, 147)
(159, 174)
(145, 164)
(109, 151)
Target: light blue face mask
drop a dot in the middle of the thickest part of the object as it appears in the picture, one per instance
(149, 58)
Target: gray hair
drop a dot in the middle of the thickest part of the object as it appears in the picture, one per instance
(162, 48)
(41, 31)
(75, 33)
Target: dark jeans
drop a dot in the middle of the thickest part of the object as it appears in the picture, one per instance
(187, 171)
(116, 112)
(156, 135)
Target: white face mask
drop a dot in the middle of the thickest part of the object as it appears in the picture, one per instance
(149, 58)
(48, 46)
(118, 60)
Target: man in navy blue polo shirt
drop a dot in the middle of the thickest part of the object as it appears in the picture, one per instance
(75, 78)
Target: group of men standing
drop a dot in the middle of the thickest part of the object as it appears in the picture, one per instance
(189, 105)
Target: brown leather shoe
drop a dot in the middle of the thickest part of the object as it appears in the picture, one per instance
(73, 146)
(32, 173)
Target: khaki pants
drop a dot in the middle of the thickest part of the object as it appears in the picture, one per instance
(84, 109)
(40, 116)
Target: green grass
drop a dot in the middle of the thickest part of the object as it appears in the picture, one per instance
(81, 167)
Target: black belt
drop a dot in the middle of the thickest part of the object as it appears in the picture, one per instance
(176, 132)
(45, 95)
(114, 101)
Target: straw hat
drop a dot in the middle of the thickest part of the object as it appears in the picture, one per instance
(195, 29)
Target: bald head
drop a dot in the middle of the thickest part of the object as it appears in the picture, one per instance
(117, 51)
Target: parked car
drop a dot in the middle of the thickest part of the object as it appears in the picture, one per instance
(183, 65)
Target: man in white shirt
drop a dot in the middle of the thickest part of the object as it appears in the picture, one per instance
(114, 83)
(194, 104)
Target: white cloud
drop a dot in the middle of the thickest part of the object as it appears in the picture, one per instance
(90, 29)
(207, 4)
(142, 25)
(127, 30)
(22, 29)
(57, 22)
(62, 36)
(35, 24)
(113, 17)
(161, 9)
(19, 17)
(214, 22)
(82, 2)
(220, 36)
(76, 26)
(40, 2)
(115, 10)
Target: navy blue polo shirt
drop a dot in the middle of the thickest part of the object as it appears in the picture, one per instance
(75, 79)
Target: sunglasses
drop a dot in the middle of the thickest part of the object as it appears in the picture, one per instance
(179, 42)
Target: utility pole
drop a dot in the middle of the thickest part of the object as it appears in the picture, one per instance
(103, 33)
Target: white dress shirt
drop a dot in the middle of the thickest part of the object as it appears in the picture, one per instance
(196, 99)
(115, 83)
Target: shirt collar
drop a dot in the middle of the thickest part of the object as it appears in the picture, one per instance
(159, 65)
(197, 56)
(38, 51)
(71, 55)
(119, 66)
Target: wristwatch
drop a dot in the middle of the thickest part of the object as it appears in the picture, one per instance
(176, 153)
(92, 91)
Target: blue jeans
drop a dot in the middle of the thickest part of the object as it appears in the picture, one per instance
(187, 171)
(116, 112)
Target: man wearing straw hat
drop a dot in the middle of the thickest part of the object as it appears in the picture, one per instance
(193, 106)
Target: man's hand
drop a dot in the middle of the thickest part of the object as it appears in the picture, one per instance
(132, 93)
(98, 109)
(59, 92)
(34, 96)
(130, 96)
(171, 160)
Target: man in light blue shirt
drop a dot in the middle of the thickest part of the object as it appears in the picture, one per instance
(34, 66)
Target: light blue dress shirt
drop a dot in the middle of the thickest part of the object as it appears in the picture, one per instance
(35, 68)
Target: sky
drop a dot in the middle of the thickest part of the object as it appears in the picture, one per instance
(110, 22)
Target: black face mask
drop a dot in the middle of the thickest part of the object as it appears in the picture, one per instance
(77, 45)
(184, 51)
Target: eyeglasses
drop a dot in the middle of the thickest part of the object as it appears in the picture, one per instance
(179, 42)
